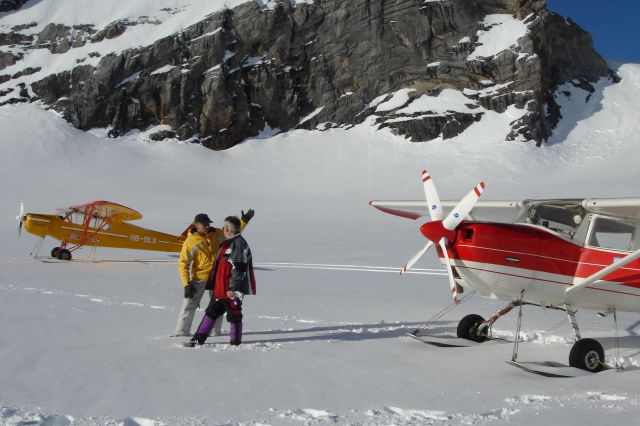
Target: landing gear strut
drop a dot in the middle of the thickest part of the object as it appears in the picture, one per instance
(586, 354)
(474, 327)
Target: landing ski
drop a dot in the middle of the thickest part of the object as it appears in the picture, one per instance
(448, 341)
(550, 369)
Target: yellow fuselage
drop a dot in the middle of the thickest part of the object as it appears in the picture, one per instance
(117, 234)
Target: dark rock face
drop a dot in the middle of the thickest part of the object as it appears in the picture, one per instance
(226, 78)
(9, 5)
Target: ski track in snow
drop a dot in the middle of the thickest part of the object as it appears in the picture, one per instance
(330, 332)
(102, 300)
(516, 408)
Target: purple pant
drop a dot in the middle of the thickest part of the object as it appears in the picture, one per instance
(235, 337)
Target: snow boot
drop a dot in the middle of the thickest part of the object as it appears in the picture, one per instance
(197, 339)
(205, 327)
(235, 333)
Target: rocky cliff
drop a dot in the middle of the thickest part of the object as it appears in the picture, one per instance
(425, 68)
(9, 5)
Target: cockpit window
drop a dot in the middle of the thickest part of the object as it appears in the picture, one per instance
(562, 219)
(611, 233)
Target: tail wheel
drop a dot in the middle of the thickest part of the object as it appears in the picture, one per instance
(468, 328)
(587, 354)
(55, 251)
(64, 254)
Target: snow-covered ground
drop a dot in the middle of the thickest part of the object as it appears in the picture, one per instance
(88, 342)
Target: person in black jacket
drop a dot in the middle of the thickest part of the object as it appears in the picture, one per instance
(232, 277)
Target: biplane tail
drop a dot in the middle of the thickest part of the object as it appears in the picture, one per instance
(185, 233)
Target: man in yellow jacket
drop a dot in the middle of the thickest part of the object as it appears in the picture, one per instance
(196, 260)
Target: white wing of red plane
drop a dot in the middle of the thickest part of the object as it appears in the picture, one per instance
(498, 209)
(415, 209)
(618, 207)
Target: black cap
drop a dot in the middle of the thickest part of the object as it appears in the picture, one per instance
(202, 218)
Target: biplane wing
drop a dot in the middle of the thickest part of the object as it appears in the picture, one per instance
(105, 210)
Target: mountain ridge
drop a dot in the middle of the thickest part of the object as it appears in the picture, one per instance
(322, 64)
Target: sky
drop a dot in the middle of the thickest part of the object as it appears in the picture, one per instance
(614, 25)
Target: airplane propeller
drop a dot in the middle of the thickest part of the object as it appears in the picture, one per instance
(20, 218)
(415, 258)
(442, 231)
(435, 211)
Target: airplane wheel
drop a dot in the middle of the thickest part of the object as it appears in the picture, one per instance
(64, 254)
(55, 251)
(587, 354)
(468, 328)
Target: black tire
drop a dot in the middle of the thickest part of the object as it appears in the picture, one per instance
(468, 328)
(587, 354)
(64, 254)
(55, 251)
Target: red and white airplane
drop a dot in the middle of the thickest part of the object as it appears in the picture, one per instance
(566, 254)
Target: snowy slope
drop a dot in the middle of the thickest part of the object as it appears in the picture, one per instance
(87, 342)
(154, 20)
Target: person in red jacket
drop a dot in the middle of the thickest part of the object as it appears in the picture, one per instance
(232, 278)
(195, 264)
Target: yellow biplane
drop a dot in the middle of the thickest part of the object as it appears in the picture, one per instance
(96, 224)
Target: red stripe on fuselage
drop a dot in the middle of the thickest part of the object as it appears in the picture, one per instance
(535, 249)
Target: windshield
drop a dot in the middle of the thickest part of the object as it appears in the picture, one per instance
(560, 218)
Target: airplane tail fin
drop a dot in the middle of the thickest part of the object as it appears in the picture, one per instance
(186, 231)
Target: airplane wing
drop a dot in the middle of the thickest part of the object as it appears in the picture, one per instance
(618, 207)
(106, 209)
(415, 209)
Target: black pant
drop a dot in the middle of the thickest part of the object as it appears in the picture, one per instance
(217, 308)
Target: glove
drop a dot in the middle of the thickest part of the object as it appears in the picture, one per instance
(246, 217)
(189, 291)
(234, 310)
